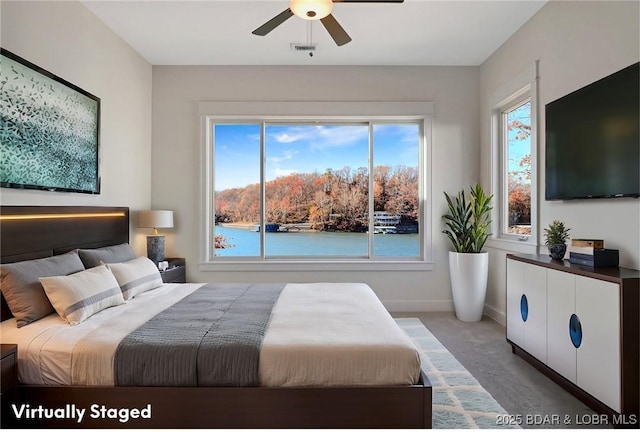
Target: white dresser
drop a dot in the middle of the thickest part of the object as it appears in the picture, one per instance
(578, 325)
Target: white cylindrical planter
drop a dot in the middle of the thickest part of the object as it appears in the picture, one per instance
(468, 272)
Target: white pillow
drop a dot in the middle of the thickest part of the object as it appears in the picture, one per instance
(136, 276)
(78, 296)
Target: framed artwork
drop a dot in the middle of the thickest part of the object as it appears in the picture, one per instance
(49, 130)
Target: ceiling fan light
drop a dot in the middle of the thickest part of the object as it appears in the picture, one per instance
(311, 9)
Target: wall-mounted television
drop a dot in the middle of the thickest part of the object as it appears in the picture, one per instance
(593, 140)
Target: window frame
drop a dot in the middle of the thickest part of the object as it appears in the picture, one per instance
(518, 91)
(308, 112)
(519, 99)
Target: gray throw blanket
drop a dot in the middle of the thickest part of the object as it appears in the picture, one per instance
(212, 337)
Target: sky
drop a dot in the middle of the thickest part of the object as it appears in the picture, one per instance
(305, 148)
(518, 148)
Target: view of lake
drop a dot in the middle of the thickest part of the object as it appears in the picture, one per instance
(311, 243)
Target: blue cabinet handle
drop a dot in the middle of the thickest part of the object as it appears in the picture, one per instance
(524, 308)
(575, 330)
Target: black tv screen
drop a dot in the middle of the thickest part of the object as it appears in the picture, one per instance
(593, 141)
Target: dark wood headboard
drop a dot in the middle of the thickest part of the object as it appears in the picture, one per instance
(31, 232)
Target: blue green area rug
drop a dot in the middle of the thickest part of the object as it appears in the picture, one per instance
(459, 401)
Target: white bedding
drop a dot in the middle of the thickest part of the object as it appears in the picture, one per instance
(327, 334)
(46, 347)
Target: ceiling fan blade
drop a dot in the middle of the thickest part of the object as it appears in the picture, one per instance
(274, 22)
(335, 30)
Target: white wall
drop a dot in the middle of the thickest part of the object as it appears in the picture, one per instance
(177, 147)
(66, 39)
(577, 43)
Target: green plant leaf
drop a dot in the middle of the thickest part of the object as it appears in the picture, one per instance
(467, 221)
(556, 233)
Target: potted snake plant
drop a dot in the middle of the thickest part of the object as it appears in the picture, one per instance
(467, 226)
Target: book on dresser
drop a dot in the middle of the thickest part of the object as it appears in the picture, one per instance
(591, 252)
(588, 243)
(599, 258)
(583, 250)
(585, 246)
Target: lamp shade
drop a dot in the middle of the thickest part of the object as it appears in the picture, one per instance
(155, 219)
(311, 9)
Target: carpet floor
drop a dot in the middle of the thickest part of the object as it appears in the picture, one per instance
(459, 401)
(516, 385)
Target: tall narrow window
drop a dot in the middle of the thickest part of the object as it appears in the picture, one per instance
(513, 128)
(517, 152)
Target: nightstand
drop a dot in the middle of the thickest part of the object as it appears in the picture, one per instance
(8, 381)
(177, 271)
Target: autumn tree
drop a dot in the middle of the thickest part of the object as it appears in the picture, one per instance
(381, 174)
(519, 182)
(403, 192)
(333, 200)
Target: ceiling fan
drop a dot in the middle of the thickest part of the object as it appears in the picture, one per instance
(315, 10)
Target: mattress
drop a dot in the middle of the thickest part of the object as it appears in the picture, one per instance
(319, 334)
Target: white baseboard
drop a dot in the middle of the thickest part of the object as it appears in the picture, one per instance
(419, 306)
(496, 315)
(440, 306)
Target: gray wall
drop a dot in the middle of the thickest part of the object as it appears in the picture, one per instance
(177, 148)
(69, 41)
(576, 43)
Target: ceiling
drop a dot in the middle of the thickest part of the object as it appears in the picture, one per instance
(216, 32)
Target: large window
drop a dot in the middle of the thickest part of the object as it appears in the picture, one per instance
(331, 189)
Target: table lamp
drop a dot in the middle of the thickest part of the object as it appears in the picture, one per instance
(155, 219)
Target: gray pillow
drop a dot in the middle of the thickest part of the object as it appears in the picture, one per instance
(107, 255)
(23, 291)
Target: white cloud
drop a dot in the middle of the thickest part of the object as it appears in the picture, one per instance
(319, 137)
(285, 138)
(286, 155)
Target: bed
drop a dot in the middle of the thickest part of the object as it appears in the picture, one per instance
(277, 401)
